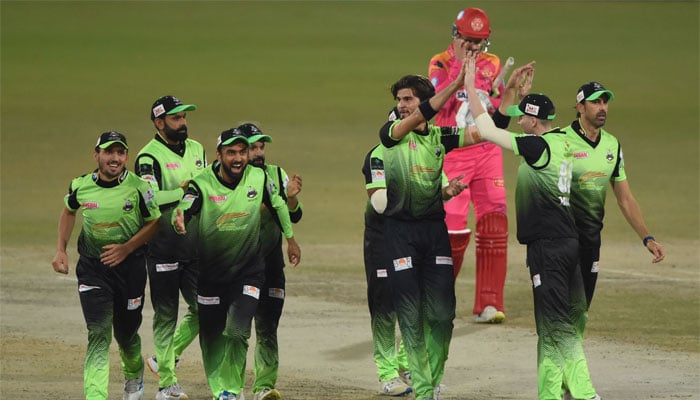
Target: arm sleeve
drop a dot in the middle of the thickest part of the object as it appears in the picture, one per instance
(295, 214)
(385, 134)
(190, 204)
(71, 199)
(618, 174)
(148, 205)
(281, 216)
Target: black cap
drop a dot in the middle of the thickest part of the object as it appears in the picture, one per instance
(591, 91)
(169, 105)
(253, 133)
(109, 138)
(534, 105)
(229, 136)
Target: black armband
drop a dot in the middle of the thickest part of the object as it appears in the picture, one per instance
(427, 110)
(647, 239)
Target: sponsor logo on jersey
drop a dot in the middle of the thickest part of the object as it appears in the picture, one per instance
(275, 293)
(149, 196)
(403, 263)
(189, 198)
(580, 155)
(86, 288)
(208, 301)
(536, 280)
(594, 267)
(251, 291)
(166, 267)
(172, 165)
(90, 205)
(134, 304)
(128, 205)
(382, 273)
(499, 183)
(252, 193)
(198, 162)
(412, 145)
(462, 95)
(227, 222)
(220, 198)
(438, 151)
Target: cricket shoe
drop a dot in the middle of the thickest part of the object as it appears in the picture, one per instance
(437, 390)
(490, 315)
(152, 363)
(172, 392)
(268, 394)
(394, 387)
(405, 376)
(228, 396)
(568, 396)
(133, 388)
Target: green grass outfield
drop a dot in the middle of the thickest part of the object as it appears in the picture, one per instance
(315, 76)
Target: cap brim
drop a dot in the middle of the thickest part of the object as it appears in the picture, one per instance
(259, 138)
(182, 107)
(599, 93)
(514, 111)
(234, 139)
(107, 144)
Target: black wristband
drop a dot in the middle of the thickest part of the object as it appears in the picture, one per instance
(647, 239)
(427, 110)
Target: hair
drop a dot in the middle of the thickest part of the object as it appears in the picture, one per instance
(420, 86)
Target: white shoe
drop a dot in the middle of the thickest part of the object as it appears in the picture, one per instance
(490, 315)
(172, 392)
(436, 391)
(394, 387)
(152, 364)
(268, 394)
(228, 396)
(133, 388)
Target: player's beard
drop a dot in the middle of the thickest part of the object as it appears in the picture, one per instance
(176, 135)
(258, 161)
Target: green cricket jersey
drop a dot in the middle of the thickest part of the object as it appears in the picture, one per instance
(112, 212)
(270, 229)
(542, 193)
(165, 167)
(413, 167)
(596, 165)
(229, 218)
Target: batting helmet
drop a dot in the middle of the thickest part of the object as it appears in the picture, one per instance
(472, 22)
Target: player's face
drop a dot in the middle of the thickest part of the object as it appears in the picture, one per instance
(407, 102)
(256, 154)
(233, 159)
(527, 123)
(175, 126)
(111, 161)
(595, 112)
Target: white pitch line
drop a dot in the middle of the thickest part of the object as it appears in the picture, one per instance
(693, 276)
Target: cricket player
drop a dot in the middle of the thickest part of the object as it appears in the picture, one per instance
(546, 226)
(598, 162)
(168, 162)
(223, 206)
(271, 300)
(481, 165)
(119, 216)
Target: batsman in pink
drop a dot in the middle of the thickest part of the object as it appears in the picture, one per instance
(481, 164)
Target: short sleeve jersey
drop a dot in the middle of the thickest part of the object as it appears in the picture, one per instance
(165, 170)
(542, 194)
(413, 168)
(373, 171)
(228, 219)
(596, 165)
(112, 211)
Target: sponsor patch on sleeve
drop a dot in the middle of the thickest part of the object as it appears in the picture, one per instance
(276, 293)
(536, 281)
(382, 273)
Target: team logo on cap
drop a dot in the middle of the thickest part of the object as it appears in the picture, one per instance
(579, 96)
(477, 24)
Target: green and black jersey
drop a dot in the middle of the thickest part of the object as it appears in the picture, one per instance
(373, 170)
(542, 194)
(228, 218)
(596, 165)
(112, 211)
(413, 167)
(165, 167)
(270, 229)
